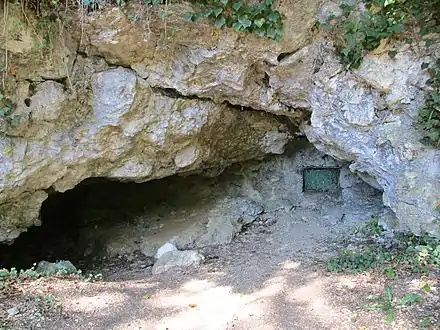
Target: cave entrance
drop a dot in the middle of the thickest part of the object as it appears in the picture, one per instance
(100, 220)
(77, 224)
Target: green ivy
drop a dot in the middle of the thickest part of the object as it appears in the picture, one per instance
(363, 32)
(429, 115)
(420, 254)
(257, 18)
(7, 116)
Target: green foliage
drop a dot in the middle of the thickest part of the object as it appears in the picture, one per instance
(372, 228)
(382, 19)
(364, 32)
(10, 278)
(429, 115)
(359, 261)
(7, 116)
(388, 304)
(256, 18)
(419, 254)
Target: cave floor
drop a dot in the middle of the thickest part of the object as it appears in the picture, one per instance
(270, 277)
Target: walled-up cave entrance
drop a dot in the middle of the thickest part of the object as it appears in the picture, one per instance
(100, 220)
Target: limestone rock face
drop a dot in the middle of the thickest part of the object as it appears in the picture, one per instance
(126, 130)
(204, 61)
(118, 101)
(354, 120)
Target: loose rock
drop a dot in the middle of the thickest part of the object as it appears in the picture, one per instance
(177, 259)
(167, 247)
(60, 267)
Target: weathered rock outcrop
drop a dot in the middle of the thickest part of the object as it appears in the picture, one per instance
(146, 108)
(352, 120)
(125, 131)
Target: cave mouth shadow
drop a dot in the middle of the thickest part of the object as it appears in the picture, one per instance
(65, 215)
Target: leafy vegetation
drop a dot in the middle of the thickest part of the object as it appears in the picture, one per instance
(257, 18)
(416, 254)
(7, 116)
(357, 34)
(429, 116)
(388, 304)
(11, 279)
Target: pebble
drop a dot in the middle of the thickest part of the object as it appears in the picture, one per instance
(13, 311)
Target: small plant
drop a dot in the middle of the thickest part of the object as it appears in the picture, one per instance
(372, 228)
(364, 32)
(388, 305)
(47, 304)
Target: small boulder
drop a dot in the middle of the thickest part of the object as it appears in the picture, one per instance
(60, 267)
(167, 247)
(177, 259)
(13, 311)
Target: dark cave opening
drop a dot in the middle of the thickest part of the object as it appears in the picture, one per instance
(65, 215)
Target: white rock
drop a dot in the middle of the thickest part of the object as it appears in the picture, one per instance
(177, 259)
(13, 311)
(167, 247)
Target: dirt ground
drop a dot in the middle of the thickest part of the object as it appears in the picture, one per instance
(273, 276)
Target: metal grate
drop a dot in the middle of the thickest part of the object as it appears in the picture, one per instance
(321, 180)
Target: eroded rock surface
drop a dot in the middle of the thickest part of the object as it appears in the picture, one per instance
(128, 131)
(117, 101)
(352, 120)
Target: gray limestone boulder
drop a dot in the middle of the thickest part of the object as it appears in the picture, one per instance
(61, 267)
(177, 260)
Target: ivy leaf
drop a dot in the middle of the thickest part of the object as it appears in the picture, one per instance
(424, 65)
(261, 33)
(273, 17)
(429, 42)
(217, 11)
(351, 41)
(220, 22)
(259, 22)
(245, 21)
(271, 32)
(237, 5)
(224, 2)
(269, 3)
(206, 12)
(237, 26)
(1, 96)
